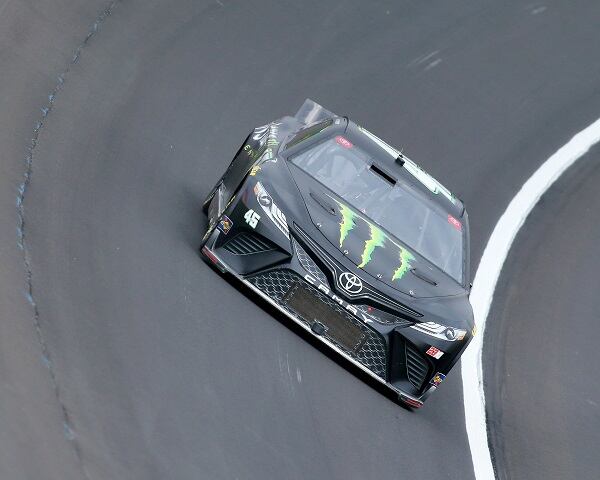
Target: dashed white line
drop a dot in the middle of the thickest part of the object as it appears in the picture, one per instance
(541, 9)
(423, 58)
(487, 275)
(433, 64)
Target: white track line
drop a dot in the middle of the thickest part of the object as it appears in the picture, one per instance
(489, 269)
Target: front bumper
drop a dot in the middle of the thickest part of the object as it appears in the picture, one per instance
(403, 396)
(383, 353)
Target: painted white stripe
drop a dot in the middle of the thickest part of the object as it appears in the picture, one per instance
(489, 269)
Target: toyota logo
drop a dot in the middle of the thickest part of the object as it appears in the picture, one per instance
(350, 282)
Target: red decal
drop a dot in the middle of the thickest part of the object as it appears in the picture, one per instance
(343, 142)
(434, 352)
(455, 223)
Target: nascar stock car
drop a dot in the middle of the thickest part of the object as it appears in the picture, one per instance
(353, 241)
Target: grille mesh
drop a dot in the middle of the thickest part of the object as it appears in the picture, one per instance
(247, 243)
(308, 264)
(384, 317)
(334, 320)
(417, 367)
(275, 283)
(371, 351)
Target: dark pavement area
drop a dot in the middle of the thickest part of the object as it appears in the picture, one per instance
(542, 337)
(159, 367)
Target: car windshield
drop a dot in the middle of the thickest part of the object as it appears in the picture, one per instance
(397, 206)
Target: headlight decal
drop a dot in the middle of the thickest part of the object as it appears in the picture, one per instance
(272, 211)
(442, 332)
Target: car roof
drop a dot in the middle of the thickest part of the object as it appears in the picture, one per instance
(389, 159)
(398, 165)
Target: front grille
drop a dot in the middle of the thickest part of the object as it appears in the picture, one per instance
(275, 283)
(384, 317)
(369, 292)
(300, 299)
(309, 305)
(417, 366)
(308, 263)
(245, 243)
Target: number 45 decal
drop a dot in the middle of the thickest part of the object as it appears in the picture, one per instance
(252, 218)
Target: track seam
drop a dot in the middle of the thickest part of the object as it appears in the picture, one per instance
(68, 427)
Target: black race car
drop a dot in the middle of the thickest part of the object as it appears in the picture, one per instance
(351, 240)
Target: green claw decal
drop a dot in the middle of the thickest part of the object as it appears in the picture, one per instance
(347, 222)
(405, 258)
(377, 240)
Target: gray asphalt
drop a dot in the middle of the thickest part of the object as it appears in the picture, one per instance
(541, 348)
(156, 367)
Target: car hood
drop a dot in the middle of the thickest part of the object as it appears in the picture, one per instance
(372, 249)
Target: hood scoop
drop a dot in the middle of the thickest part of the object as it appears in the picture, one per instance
(423, 277)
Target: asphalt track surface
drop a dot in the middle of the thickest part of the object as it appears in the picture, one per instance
(132, 359)
(544, 402)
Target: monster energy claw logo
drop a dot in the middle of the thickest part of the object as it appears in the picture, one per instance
(347, 222)
(271, 141)
(377, 240)
(405, 258)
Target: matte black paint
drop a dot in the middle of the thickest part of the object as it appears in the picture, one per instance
(480, 92)
(322, 228)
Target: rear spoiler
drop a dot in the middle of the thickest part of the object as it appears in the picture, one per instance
(311, 112)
